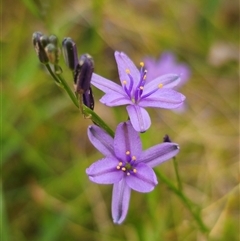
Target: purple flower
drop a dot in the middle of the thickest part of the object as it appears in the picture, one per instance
(136, 93)
(125, 164)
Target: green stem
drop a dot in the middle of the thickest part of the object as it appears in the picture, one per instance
(192, 207)
(53, 75)
(175, 164)
(97, 120)
(60, 81)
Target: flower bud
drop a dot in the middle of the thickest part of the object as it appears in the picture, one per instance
(83, 73)
(88, 98)
(39, 43)
(53, 39)
(53, 53)
(70, 53)
(166, 138)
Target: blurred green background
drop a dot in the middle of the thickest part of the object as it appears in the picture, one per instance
(46, 195)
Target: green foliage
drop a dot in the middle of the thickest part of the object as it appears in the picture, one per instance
(46, 194)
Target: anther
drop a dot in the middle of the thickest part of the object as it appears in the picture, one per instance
(128, 173)
(127, 152)
(124, 82)
(127, 71)
(120, 164)
(160, 86)
(134, 158)
(141, 64)
(124, 169)
(141, 87)
(118, 167)
(134, 170)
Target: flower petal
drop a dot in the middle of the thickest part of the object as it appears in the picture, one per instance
(159, 154)
(101, 140)
(105, 171)
(120, 201)
(124, 63)
(105, 85)
(127, 139)
(163, 98)
(144, 180)
(167, 81)
(139, 118)
(115, 99)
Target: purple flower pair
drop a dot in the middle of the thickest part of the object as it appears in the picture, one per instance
(125, 164)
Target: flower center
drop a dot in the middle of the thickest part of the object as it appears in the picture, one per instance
(135, 93)
(129, 166)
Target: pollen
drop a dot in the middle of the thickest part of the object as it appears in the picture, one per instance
(135, 170)
(141, 64)
(127, 71)
(141, 88)
(134, 158)
(124, 82)
(124, 169)
(118, 167)
(128, 173)
(120, 164)
(160, 86)
(127, 152)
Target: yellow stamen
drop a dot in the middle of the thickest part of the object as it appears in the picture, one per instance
(134, 158)
(118, 167)
(141, 88)
(127, 71)
(124, 169)
(124, 82)
(141, 64)
(135, 170)
(160, 86)
(120, 164)
(127, 152)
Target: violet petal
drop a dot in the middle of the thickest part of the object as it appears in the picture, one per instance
(126, 139)
(139, 118)
(105, 171)
(163, 98)
(167, 80)
(101, 140)
(124, 63)
(115, 99)
(159, 154)
(120, 201)
(105, 85)
(144, 180)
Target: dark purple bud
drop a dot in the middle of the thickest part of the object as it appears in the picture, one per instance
(40, 42)
(83, 73)
(88, 99)
(70, 53)
(166, 138)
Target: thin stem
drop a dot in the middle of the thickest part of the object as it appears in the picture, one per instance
(97, 120)
(192, 207)
(69, 91)
(175, 164)
(52, 74)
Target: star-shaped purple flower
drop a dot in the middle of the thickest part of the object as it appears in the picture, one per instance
(125, 164)
(136, 93)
